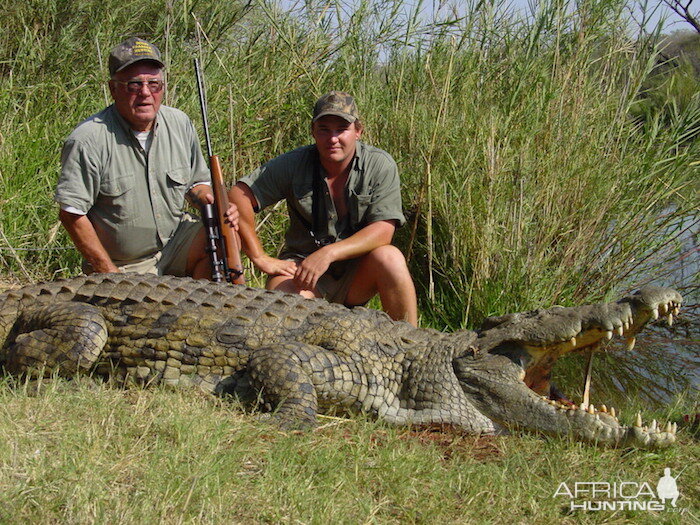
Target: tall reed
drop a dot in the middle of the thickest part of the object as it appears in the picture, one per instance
(526, 182)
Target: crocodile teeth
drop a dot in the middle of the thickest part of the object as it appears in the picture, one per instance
(655, 313)
(591, 409)
(572, 341)
(630, 343)
(669, 428)
(670, 319)
(676, 310)
(620, 330)
(608, 334)
(612, 411)
(638, 421)
(675, 427)
(603, 409)
(662, 309)
(654, 426)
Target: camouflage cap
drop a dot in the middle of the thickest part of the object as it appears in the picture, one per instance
(336, 103)
(130, 51)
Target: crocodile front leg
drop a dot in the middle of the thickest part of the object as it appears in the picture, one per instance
(64, 337)
(299, 379)
(282, 374)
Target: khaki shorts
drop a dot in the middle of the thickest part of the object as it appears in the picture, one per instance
(172, 259)
(335, 283)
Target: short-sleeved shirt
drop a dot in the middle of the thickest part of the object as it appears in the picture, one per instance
(373, 193)
(134, 200)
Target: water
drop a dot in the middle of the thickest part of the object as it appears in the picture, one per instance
(665, 363)
(670, 356)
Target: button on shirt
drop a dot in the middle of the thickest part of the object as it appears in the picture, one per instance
(133, 199)
(372, 194)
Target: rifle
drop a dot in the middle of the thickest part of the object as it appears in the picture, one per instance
(222, 245)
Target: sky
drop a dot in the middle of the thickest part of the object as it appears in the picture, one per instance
(672, 22)
(656, 10)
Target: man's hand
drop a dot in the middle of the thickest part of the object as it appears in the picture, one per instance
(231, 215)
(202, 194)
(310, 270)
(83, 234)
(273, 266)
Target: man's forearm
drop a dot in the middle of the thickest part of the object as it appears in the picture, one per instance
(369, 238)
(83, 235)
(243, 198)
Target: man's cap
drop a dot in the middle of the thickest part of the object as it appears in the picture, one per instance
(336, 103)
(130, 51)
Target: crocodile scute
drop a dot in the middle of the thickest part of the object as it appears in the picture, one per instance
(307, 356)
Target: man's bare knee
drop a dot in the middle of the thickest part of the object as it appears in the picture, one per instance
(382, 270)
(387, 260)
(385, 271)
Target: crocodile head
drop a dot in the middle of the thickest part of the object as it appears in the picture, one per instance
(508, 375)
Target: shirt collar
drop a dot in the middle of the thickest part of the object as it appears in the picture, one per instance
(358, 161)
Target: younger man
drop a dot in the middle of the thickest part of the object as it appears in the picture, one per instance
(344, 204)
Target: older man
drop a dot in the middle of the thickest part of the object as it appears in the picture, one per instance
(125, 174)
(344, 204)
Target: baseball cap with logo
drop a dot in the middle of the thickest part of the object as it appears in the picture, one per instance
(336, 103)
(130, 51)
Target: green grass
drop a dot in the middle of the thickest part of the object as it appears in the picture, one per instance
(85, 452)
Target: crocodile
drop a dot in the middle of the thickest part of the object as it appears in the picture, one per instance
(304, 356)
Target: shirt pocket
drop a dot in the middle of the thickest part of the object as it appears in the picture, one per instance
(304, 204)
(357, 208)
(116, 199)
(177, 184)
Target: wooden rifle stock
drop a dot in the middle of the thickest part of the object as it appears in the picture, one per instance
(229, 255)
(232, 255)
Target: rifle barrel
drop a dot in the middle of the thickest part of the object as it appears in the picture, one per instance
(228, 261)
(203, 105)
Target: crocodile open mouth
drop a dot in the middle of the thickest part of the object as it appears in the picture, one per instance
(624, 324)
(533, 341)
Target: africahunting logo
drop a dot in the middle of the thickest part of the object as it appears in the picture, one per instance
(622, 495)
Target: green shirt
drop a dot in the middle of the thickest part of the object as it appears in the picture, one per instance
(372, 194)
(133, 199)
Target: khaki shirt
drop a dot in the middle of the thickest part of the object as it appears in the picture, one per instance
(372, 193)
(133, 199)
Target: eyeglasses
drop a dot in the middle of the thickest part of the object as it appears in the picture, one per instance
(135, 86)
